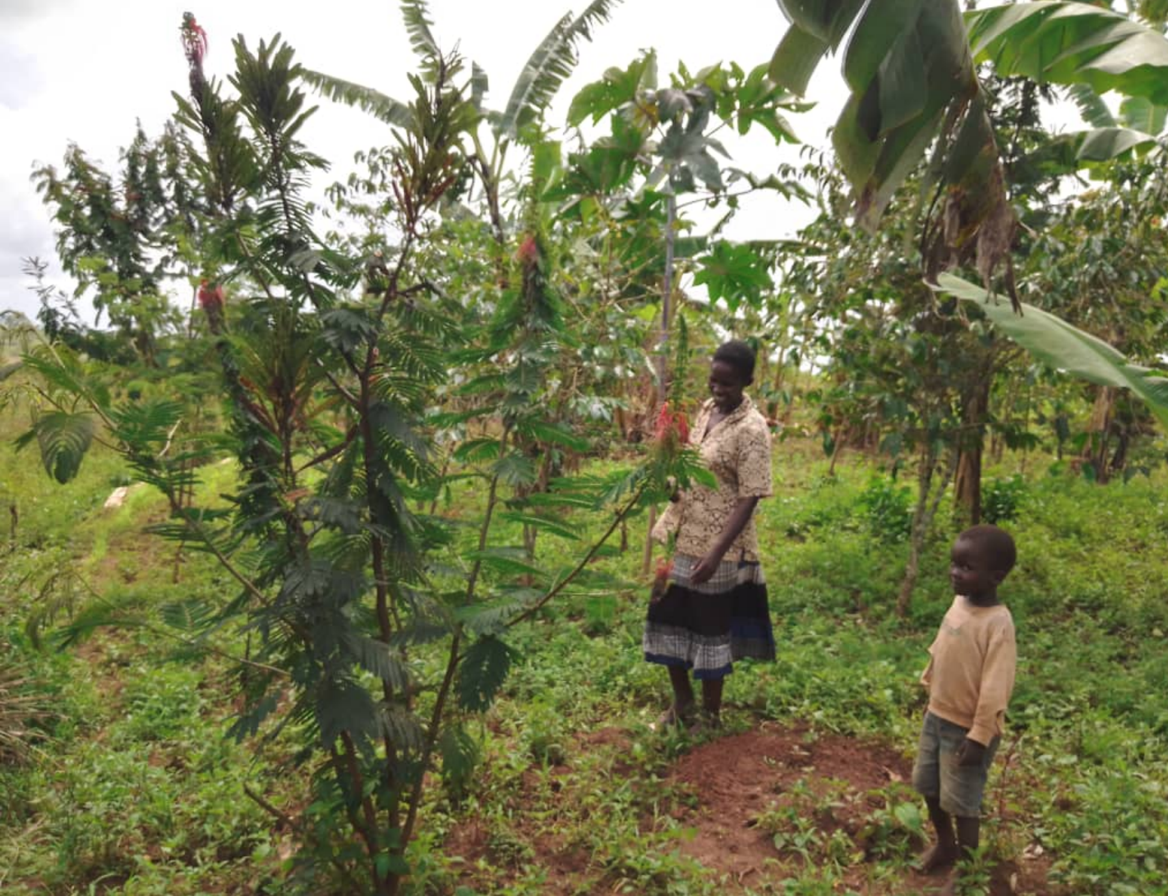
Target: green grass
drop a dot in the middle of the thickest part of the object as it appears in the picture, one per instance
(131, 786)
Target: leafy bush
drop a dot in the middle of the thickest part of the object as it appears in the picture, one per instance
(1001, 499)
(888, 509)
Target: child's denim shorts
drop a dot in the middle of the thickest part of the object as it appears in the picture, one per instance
(936, 774)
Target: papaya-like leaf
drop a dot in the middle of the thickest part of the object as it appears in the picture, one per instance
(734, 272)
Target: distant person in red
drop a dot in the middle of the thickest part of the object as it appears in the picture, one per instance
(712, 607)
(970, 677)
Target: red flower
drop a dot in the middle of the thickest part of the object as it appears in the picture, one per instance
(194, 39)
(669, 422)
(528, 252)
(210, 297)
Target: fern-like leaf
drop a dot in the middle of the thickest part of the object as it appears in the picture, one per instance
(401, 726)
(190, 615)
(343, 705)
(63, 439)
(482, 672)
(379, 658)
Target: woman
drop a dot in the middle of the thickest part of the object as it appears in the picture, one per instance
(715, 608)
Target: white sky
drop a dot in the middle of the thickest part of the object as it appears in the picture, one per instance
(85, 71)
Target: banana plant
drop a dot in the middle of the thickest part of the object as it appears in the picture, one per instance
(1061, 346)
(546, 69)
(1138, 126)
(911, 68)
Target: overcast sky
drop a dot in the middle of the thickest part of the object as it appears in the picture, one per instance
(84, 71)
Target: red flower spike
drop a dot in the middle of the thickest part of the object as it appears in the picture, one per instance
(210, 297)
(528, 252)
(670, 422)
(194, 39)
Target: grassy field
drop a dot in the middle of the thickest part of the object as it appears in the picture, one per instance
(127, 784)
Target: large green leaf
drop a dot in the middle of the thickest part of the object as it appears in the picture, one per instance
(549, 66)
(1142, 114)
(616, 88)
(910, 67)
(1104, 144)
(1072, 43)
(1057, 344)
(377, 104)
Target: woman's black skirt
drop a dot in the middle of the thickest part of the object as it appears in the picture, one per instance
(706, 627)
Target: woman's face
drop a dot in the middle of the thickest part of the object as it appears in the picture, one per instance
(726, 385)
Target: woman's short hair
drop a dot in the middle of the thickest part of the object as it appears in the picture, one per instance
(738, 355)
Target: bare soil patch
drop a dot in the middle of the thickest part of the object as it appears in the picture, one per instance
(735, 792)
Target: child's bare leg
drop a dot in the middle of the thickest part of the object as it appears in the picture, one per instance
(945, 851)
(968, 837)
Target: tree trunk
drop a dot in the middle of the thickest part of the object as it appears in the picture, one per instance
(1095, 451)
(976, 404)
(662, 351)
(922, 521)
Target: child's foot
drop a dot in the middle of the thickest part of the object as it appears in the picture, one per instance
(937, 858)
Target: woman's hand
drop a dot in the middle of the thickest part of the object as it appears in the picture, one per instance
(706, 568)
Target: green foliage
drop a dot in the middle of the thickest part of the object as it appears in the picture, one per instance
(1002, 499)
(888, 507)
(1081, 44)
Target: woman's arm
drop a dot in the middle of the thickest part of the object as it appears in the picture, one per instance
(735, 523)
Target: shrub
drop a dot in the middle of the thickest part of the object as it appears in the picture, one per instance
(888, 508)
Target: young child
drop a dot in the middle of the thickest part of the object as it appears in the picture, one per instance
(969, 677)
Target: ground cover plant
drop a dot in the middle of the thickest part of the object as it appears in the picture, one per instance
(129, 784)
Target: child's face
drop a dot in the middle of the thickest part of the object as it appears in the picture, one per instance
(972, 572)
(726, 385)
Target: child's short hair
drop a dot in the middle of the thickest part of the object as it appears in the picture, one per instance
(738, 355)
(996, 543)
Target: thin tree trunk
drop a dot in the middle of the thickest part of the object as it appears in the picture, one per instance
(662, 353)
(923, 515)
(967, 485)
(1095, 451)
